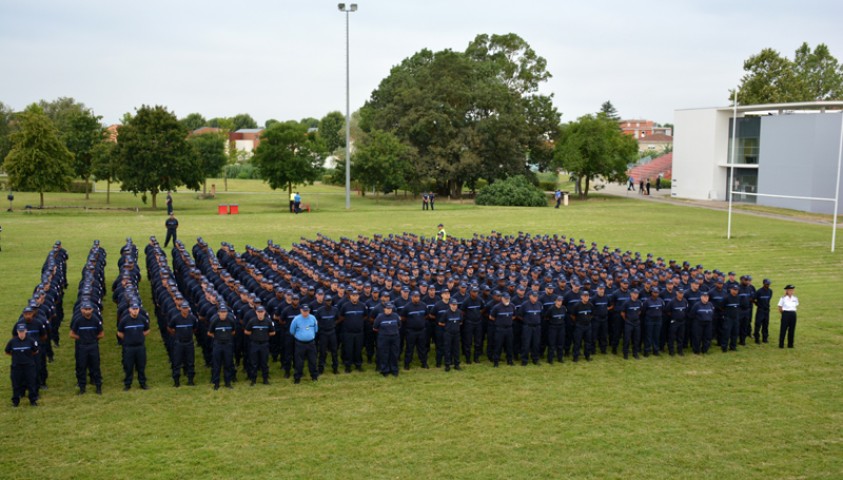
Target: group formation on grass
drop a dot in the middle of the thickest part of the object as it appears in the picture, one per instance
(500, 298)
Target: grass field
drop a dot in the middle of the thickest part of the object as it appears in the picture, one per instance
(759, 413)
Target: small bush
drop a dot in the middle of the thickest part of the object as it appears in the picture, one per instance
(546, 186)
(665, 183)
(245, 171)
(513, 192)
(78, 186)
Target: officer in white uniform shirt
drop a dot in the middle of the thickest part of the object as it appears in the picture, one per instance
(787, 307)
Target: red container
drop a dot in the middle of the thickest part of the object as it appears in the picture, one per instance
(222, 210)
(234, 209)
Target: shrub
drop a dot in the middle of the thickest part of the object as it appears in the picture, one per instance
(514, 192)
(546, 186)
(665, 183)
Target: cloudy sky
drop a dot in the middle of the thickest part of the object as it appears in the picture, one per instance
(285, 59)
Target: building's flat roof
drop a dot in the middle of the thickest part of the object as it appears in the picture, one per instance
(816, 105)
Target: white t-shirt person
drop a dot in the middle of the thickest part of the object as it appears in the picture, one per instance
(787, 307)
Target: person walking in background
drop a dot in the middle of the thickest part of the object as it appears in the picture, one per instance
(169, 203)
(432, 198)
(630, 184)
(659, 182)
(787, 307)
(172, 225)
(648, 186)
(558, 196)
(425, 201)
(641, 187)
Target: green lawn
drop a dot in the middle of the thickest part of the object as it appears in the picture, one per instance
(758, 413)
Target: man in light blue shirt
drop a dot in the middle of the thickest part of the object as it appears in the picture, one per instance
(303, 328)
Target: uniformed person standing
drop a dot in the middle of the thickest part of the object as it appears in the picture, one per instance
(556, 315)
(415, 324)
(583, 314)
(631, 315)
(259, 329)
(762, 312)
(451, 322)
(653, 310)
(23, 351)
(731, 319)
(387, 325)
(677, 311)
(132, 331)
(172, 225)
(441, 234)
(600, 324)
(353, 320)
(303, 329)
(703, 314)
(326, 317)
(222, 329)
(530, 314)
(472, 308)
(86, 329)
(502, 316)
(181, 328)
(787, 307)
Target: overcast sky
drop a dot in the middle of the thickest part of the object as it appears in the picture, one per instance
(286, 59)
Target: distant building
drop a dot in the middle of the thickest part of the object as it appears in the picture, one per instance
(637, 128)
(782, 149)
(204, 130)
(111, 132)
(656, 142)
(246, 139)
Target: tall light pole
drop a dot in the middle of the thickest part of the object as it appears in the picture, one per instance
(351, 8)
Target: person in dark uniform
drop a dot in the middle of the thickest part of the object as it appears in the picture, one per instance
(87, 330)
(222, 330)
(23, 351)
(787, 307)
(432, 198)
(731, 319)
(415, 324)
(387, 325)
(182, 327)
(172, 225)
(653, 309)
(677, 312)
(451, 322)
(747, 296)
(502, 315)
(327, 316)
(38, 332)
(583, 314)
(703, 314)
(556, 316)
(472, 308)
(169, 203)
(132, 331)
(631, 315)
(530, 314)
(303, 329)
(259, 329)
(425, 201)
(762, 312)
(353, 320)
(600, 324)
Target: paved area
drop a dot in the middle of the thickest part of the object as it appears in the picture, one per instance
(663, 195)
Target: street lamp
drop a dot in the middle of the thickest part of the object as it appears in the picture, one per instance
(351, 8)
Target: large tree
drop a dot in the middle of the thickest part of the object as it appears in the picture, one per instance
(592, 147)
(243, 120)
(82, 133)
(332, 131)
(288, 155)
(469, 115)
(105, 165)
(210, 152)
(382, 161)
(773, 78)
(609, 110)
(38, 160)
(6, 127)
(193, 121)
(155, 154)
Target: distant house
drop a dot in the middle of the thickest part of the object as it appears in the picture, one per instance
(246, 139)
(111, 132)
(637, 128)
(204, 130)
(656, 142)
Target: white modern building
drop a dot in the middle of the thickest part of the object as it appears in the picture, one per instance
(789, 149)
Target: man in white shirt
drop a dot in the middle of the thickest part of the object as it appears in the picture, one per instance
(787, 307)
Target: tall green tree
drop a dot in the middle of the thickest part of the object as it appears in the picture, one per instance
(310, 122)
(610, 111)
(83, 132)
(469, 115)
(193, 121)
(270, 123)
(106, 165)
(38, 160)
(382, 161)
(243, 120)
(209, 149)
(7, 116)
(155, 154)
(288, 156)
(773, 78)
(332, 130)
(592, 147)
(62, 111)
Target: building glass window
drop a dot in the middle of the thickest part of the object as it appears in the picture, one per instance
(749, 140)
(746, 181)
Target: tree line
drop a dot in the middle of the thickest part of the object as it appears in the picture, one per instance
(440, 121)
